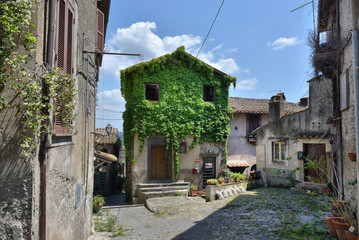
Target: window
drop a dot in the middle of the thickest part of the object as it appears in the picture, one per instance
(209, 94)
(278, 151)
(183, 147)
(64, 52)
(152, 91)
(65, 34)
(252, 123)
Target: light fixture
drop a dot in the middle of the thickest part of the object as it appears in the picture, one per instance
(108, 129)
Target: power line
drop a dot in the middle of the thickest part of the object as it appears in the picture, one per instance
(104, 109)
(210, 29)
(110, 119)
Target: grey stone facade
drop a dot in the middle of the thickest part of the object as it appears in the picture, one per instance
(294, 131)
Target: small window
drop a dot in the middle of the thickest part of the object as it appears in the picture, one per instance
(153, 92)
(208, 94)
(278, 151)
(183, 147)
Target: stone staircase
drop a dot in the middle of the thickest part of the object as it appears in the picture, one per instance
(152, 190)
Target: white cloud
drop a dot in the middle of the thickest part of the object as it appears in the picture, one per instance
(111, 100)
(218, 47)
(247, 71)
(248, 84)
(140, 38)
(283, 42)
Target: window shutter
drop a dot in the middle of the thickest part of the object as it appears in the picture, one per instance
(65, 33)
(70, 40)
(64, 52)
(100, 36)
(58, 127)
(61, 35)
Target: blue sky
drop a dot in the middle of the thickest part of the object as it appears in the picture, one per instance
(259, 42)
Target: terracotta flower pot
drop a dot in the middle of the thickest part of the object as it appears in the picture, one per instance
(351, 236)
(341, 228)
(352, 157)
(331, 227)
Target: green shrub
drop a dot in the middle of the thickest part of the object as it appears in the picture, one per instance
(212, 181)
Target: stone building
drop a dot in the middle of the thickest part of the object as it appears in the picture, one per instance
(176, 122)
(248, 115)
(48, 195)
(334, 58)
(285, 142)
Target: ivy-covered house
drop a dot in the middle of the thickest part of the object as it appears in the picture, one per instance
(176, 122)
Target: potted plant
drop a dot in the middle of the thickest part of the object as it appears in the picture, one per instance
(212, 181)
(238, 177)
(341, 225)
(194, 190)
(98, 201)
(221, 180)
(351, 235)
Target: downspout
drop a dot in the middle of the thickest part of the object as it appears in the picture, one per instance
(86, 114)
(340, 150)
(45, 137)
(355, 39)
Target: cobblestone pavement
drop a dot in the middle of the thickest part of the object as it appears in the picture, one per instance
(257, 214)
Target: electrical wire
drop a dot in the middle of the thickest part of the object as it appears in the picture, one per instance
(110, 119)
(108, 110)
(209, 31)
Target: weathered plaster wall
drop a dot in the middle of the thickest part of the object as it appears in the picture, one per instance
(348, 18)
(237, 140)
(287, 129)
(70, 163)
(19, 174)
(187, 162)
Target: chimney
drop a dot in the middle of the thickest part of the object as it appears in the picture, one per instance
(276, 106)
(303, 102)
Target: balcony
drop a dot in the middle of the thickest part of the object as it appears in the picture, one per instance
(325, 56)
(251, 138)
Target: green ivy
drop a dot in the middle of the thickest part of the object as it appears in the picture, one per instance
(33, 88)
(181, 110)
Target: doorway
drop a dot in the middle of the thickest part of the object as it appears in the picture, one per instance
(209, 169)
(315, 163)
(159, 162)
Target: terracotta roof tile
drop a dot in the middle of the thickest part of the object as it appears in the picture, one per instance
(259, 106)
(102, 137)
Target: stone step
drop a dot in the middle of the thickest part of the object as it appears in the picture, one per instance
(153, 194)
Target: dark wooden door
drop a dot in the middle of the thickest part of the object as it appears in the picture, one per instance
(209, 169)
(159, 163)
(315, 163)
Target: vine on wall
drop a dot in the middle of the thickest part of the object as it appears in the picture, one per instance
(33, 87)
(181, 110)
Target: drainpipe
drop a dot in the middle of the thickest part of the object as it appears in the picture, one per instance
(45, 137)
(355, 39)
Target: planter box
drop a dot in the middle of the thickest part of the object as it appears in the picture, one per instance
(211, 189)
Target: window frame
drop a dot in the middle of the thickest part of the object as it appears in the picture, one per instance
(209, 97)
(282, 150)
(156, 87)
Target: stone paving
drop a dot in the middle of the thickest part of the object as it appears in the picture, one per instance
(257, 214)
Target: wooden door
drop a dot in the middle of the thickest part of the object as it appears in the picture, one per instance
(159, 163)
(315, 164)
(209, 169)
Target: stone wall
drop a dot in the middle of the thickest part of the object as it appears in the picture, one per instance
(296, 130)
